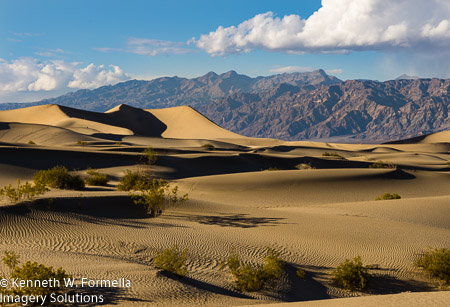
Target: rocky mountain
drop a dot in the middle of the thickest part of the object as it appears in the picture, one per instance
(292, 106)
(365, 110)
(175, 91)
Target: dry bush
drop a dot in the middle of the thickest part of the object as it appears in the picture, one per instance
(436, 262)
(172, 260)
(96, 178)
(23, 191)
(254, 278)
(351, 275)
(388, 196)
(59, 177)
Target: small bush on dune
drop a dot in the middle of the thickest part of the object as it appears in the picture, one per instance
(155, 195)
(436, 262)
(22, 191)
(254, 278)
(81, 143)
(382, 164)
(208, 146)
(351, 275)
(32, 271)
(96, 178)
(134, 181)
(388, 196)
(172, 260)
(273, 168)
(305, 166)
(31, 142)
(332, 154)
(149, 156)
(58, 177)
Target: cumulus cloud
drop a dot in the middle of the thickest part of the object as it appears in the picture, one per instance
(31, 75)
(289, 69)
(339, 26)
(95, 76)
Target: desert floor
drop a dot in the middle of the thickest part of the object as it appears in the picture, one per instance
(244, 194)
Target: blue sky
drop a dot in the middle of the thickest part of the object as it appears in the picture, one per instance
(50, 47)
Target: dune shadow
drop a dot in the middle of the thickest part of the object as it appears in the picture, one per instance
(304, 289)
(230, 220)
(204, 285)
(381, 283)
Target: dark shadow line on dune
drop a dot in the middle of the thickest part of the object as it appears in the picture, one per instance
(230, 220)
(204, 285)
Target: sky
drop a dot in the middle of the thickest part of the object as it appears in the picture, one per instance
(51, 47)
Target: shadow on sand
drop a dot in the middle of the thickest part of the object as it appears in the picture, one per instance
(229, 220)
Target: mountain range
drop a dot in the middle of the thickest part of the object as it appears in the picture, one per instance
(290, 106)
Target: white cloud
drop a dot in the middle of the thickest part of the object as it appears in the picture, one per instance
(335, 71)
(152, 47)
(31, 75)
(339, 26)
(289, 69)
(95, 76)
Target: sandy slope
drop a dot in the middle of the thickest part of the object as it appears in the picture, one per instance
(315, 218)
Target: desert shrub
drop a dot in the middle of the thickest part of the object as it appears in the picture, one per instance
(208, 146)
(300, 273)
(172, 260)
(133, 181)
(149, 156)
(58, 177)
(155, 195)
(82, 143)
(382, 164)
(305, 166)
(32, 271)
(273, 168)
(436, 262)
(22, 191)
(119, 143)
(254, 278)
(96, 178)
(388, 196)
(332, 154)
(31, 142)
(351, 275)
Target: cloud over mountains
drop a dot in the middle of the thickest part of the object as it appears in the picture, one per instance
(339, 26)
(28, 74)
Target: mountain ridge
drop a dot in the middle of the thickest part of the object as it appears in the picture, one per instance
(289, 106)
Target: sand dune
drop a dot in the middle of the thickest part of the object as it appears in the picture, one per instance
(316, 210)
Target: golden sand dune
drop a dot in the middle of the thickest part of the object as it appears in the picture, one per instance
(312, 202)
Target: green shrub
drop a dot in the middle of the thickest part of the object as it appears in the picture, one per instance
(155, 195)
(382, 164)
(436, 263)
(254, 278)
(119, 143)
(209, 146)
(31, 142)
(133, 181)
(32, 271)
(332, 154)
(351, 275)
(172, 260)
(273, 168)
(300, 273)
(305, 166)
(149, 156)
(96, 178)
(23, 191)
(82, 143)
(388, 196)
(58, 177)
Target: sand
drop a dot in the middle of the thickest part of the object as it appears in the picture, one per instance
(315, 218)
